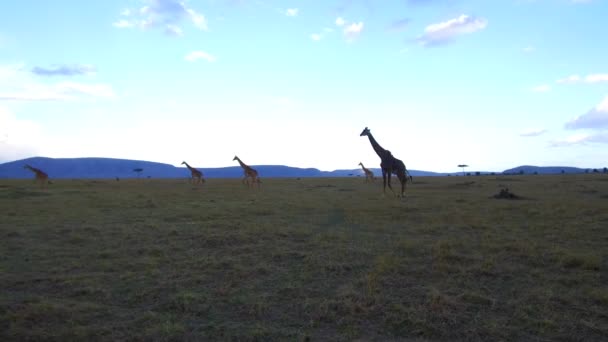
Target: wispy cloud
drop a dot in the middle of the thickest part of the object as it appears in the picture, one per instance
(582, 139)
(591, 78)
(58, 92)
(196, 55)
(353, 30)
(173, 30)
(533, 132)
(399, 25)
(122, 23)
(447, 31)
(543, 88)
(17, 84)
(64, 70)
(350, 30)
(291, 12)
(19, 138)
(165, 14)
(316, 37)
(529, 49)
(596, 118)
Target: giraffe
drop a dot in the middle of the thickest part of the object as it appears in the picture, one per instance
(41, 176)
(369, 175)
(197, 176)
(249, 173)
(388, 164)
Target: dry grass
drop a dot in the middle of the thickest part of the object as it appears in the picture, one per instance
(309, 259)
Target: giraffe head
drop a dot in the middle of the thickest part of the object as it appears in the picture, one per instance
(360, 163)
(235, 158)
(183, 163)
(365, 132)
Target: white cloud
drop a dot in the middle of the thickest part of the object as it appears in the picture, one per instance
(543, 88)
(18, 84)
(591, 78)
(166, 14)
(291, 12)
(353, 30)
(582, 139)
(173, 30)
(574, 139)
(318, 36)
(198, 19)
(19, 138)
(95, 90)
(444, 32)
(570, 79)
(596, 78)
(533, 132)
(596, 118)
(529, 49)
(350, 30)
(196, 55)
(122, 23)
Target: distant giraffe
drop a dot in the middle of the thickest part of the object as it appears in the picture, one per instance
(249, 173)
(369, 175)
(197, 176)
(388, 164)
(40, 176)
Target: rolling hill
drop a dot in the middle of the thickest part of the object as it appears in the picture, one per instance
(124, 168)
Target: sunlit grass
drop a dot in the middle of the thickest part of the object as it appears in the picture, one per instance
(323, 259)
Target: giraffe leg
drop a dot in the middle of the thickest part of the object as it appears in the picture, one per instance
(389, 176)
(383, 182)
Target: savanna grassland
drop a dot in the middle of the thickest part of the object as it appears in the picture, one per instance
(308, 259)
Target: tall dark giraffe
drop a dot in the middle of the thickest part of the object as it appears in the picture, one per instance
(369, 175)
(388, 164)
(40, 176)
(197, 176)
(249, 173)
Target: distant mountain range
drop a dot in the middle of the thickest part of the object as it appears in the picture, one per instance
(124, 168)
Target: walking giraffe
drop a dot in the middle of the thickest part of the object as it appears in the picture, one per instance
(249, 173)
(196, 175)
(40, 176)
(388, 164)
(369, 175)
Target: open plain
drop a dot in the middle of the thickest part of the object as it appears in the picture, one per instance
(305, 259)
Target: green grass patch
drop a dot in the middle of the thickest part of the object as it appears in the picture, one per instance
(308, 259)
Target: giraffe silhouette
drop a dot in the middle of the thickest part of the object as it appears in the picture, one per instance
(388, 163)
(369, 175)
(197, 176)
(249, 173)
(40, 176)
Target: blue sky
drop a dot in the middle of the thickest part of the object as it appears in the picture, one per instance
(492, 84)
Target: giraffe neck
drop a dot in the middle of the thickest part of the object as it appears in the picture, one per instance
(379, 150)
(242, 164)
(33, 169)
(188, 166)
